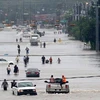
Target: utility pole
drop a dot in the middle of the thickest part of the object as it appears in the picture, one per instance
(30, 12)
(97, 30)
(23, 12)
(98, 26)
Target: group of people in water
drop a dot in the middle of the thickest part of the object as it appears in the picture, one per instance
(5, 84)
(43, 44)
(19, 50)
(50, 60)
(15, 70)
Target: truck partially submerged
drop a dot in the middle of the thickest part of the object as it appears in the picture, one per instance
(34, 39)
(56, 88)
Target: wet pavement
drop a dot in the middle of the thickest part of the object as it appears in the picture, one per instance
(81, 67)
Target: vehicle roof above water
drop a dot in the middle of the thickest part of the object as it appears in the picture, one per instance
(25, 84)
(1, 59)
(24, 81)
(33, 69)
(35, 35)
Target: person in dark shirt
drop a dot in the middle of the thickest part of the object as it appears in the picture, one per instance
(16, 70)
(43, 59)
(4, 85)
(13, 84)
(44, 45)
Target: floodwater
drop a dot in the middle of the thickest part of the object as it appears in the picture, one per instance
(81, 67)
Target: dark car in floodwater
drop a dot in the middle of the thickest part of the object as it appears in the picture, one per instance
(32, 72)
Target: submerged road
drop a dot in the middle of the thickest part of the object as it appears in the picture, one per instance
(81, 67)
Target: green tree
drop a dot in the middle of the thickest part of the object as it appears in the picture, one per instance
(84, 30)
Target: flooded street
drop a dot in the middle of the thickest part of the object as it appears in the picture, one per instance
(81, 67)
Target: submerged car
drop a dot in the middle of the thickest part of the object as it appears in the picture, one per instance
(4, 61)
(56, 88)
(32, 72)
(24, 88)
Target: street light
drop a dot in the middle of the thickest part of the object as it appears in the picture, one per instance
(87, 9)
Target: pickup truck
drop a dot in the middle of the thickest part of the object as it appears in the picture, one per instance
(24, 88)
(56, 88)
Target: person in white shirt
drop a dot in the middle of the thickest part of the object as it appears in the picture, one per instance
(52, 80)
(8, 70)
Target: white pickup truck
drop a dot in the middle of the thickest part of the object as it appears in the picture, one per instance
(24, 88)
(56, 88)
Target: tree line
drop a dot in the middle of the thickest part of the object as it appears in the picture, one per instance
(84, 29)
